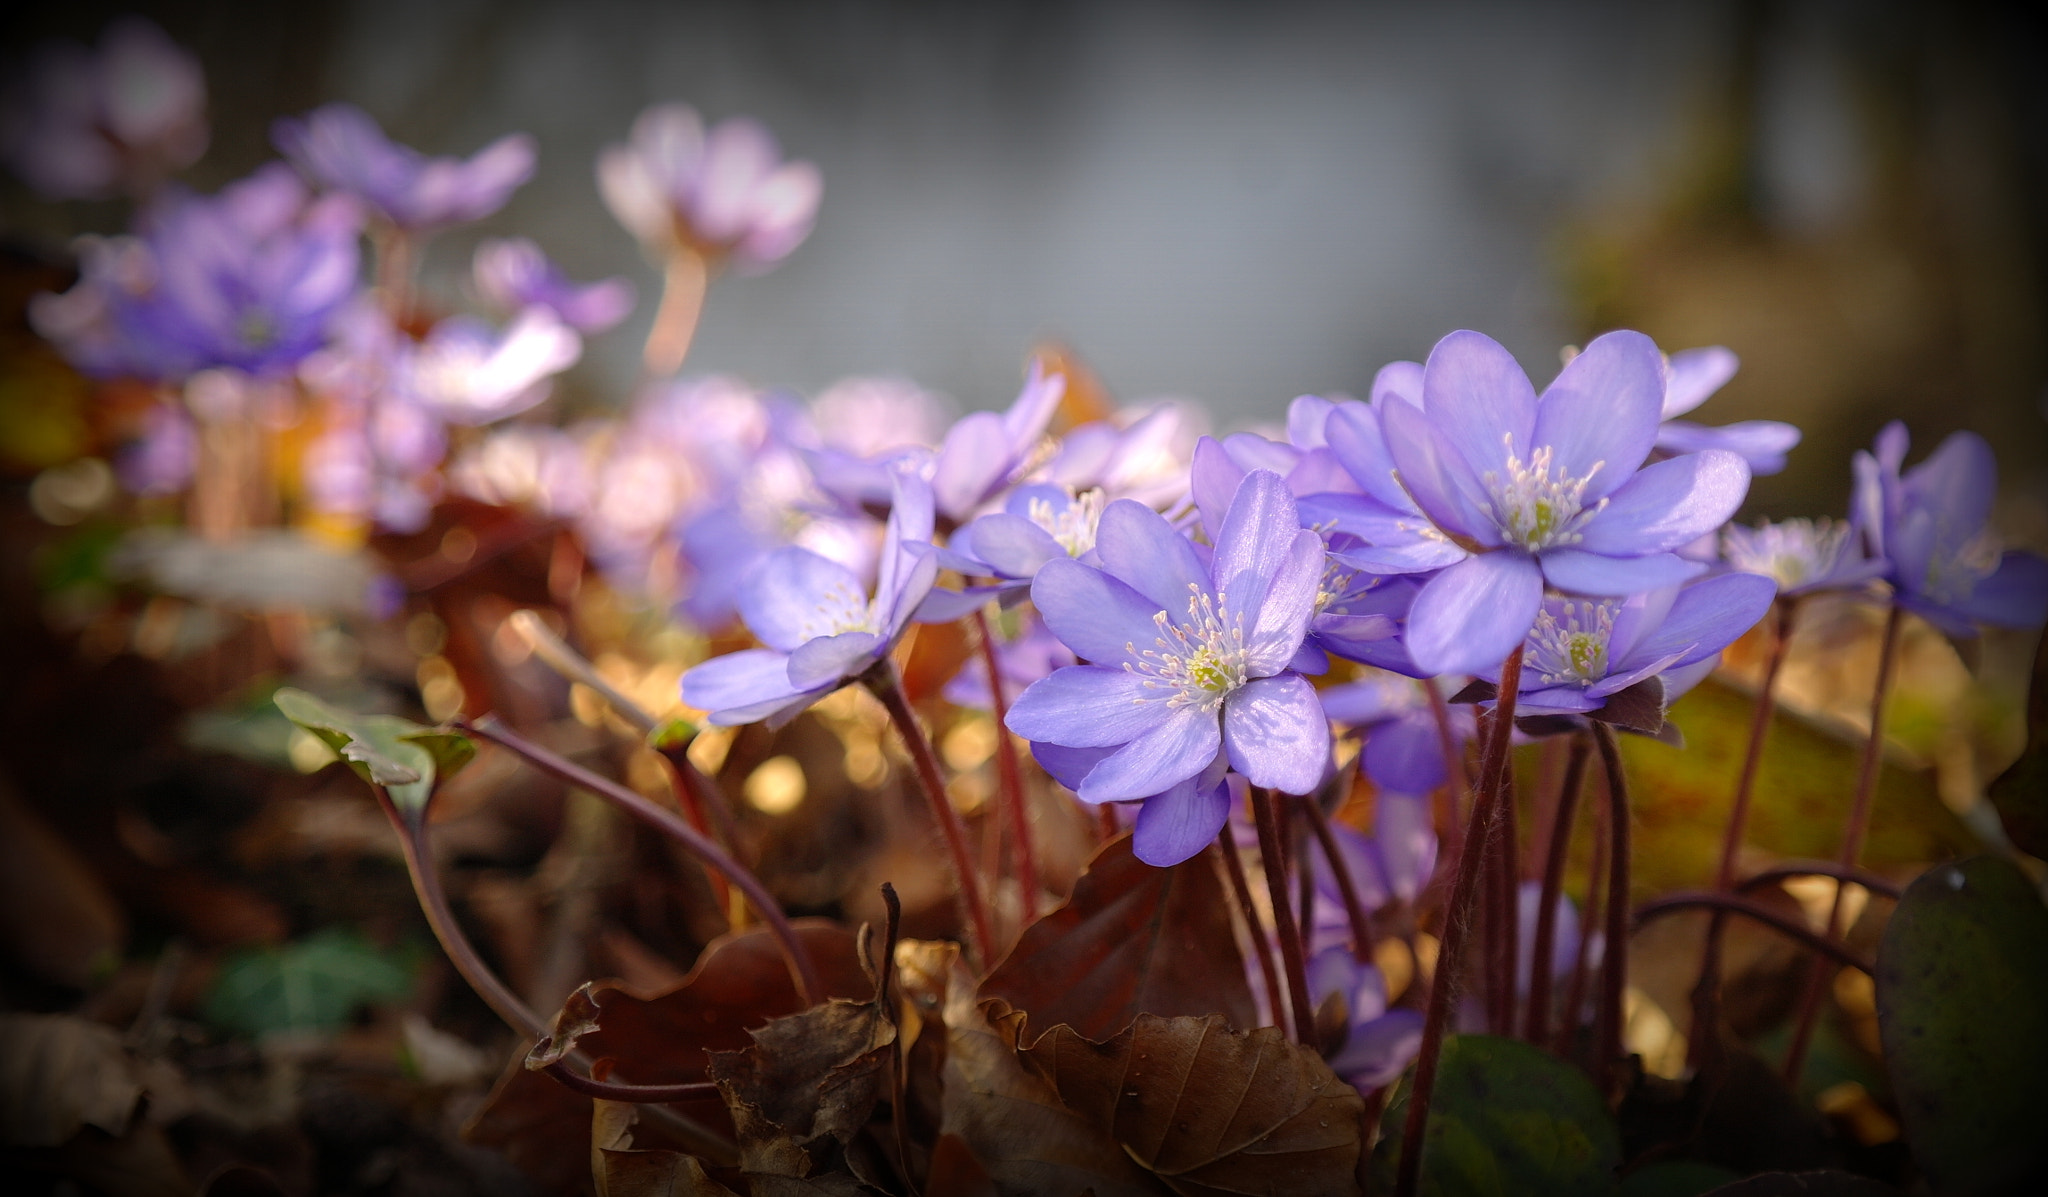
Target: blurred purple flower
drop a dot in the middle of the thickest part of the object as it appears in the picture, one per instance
(1378, 1043)
(83, 124)
(1933, 525)
(1801, 555)
(163, 454)
(1519, 490)
(1214, 683)
(1582, 651)
(1136, 455)
(1403, 751)
(340, 147)
(513, 274)
(1691, 376)
(725, 193)
(1032, 653)
(820, 629)
(467, 373)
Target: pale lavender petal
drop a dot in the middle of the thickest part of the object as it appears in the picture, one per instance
(1669, 504)
(1089, 706)
(917, 570)
(1013, 547)
(1212, 479)
(1255, 452)
(1092, 613)
(1067, 765)
(1319, 472)
(1399, 381)
(1306, 417)
(1256, 540)
(946, 606)
(1704, 619)
(1591, 573)
(1407, 841)
(795, 595)
(1357, 704)
(973, 461)
(1405, 754)
(1175, 825)
(741, 687)
(1379, 1051)
(1140, 549)
(1761, 443)
(1602, 411)
(1175, 749)
(1470, 616)
(1281, 619)
(2014, 597)
(1361, 448)
(1034, 406)
(1556, 700)
(1277, 733)
(1695, 374)
(1477, 396)
(832, 658)
(1957, 481)
(1419, 556)
(1441, 486)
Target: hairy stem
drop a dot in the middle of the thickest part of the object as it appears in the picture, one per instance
(1457, 778)
(1284, 929)
(1009, 776)
(1596, 890)
(1457, 923)
(1505, 918)
(1536, 1026)
(1354, 908)
(1262, 948)
(1853, 835)
(886, 685)
(1614, 951)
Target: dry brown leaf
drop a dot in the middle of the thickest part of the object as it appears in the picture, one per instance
(1208, 1109)
(58, 1074)
(1133, 939)
(809, 1079)
(654, 1174)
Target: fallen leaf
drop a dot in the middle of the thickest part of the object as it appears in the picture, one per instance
(311, 985)
(58, 1074)
(805, 1088)
(1133, 939)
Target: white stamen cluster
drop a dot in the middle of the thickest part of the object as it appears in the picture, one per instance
(1535, 510)
(840, 609)
(1792, 553)
(1338, 584)
(1570, 645)
(1072, 526)
(1200, 661)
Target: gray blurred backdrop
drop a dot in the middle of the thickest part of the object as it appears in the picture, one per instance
(1240, 203)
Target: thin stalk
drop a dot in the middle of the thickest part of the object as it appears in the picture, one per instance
(886, 685)
(1304, 877)
(1596, 891)
(1706, 994)
(1262, 948)
(1873, 882)
(1853, 836)
(1614, 951)
(1507, 886)
(614, 1091)
(1009, 776)
(1732, 904)
(1284, 929)
(809, 989)
(1458, 779)
(1457, 924)
(396, 257)
(1536, 1025)
(683, 280)
(1354, 908)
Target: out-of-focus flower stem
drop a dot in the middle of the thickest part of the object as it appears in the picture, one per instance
(886, 685)
(809, 990)
(396, 258)
(1853, 835)
(1284, 929)
(1443, 986)
(1458, 779)
(1735, 904)
(1596, 889)
(1701, 1044)
(1262, 948)
(1354, 909)
(684, 278)
(1614, 944)
(1536, 1027)
(1010, 777)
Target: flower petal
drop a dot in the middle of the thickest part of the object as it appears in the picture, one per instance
(973, 461)
(1695, 374)
(1704, 619)
(1602, 411)
(1281, 619)
(1257, 538)
(1011, 546)
(1405, 754)
(1175, 825)
(1277, 734)
(2014, 597)
(1479, 399)
(1088, 706)
(1140, 549)
(1470, 616)
(1213, 477)
(1180, 746)
(1669, 504)
(1407, 842)
(832, 658)
(1761, 443)
(1360, 446)
(1098, 617)
(794, 595)
(1590, 573)
(742, 687)
(1067, 765)
(1437, 480)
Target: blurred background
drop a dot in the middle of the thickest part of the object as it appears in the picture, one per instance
(1238, 206)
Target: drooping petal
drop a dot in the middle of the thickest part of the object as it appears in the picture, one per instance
(794, 595)
(1280, 621)
(1277, 734)
(832, 658)
(1140, 549)
(945, 606)
(1603, 410)
(1477, 396)
(1405, 754)
(1591, 573)
(1761, 443)
(1173, 826)
(1695, 374)
(1177, 748)
(1380, 1050)
(741, 687)
(1092, 613)
(1256, 540)
(1669, 504)
(1065, 765)
(1470, 616)
(1705, 618)
(1088, 706)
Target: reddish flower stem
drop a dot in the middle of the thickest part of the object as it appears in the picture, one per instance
(1284, 929)
(1354, 908)
(1614, 945)
(1853, 835)
(1732, 904)
(1457, 924)
(1262, 948)
(1457, 778)
(1536, 1026)
(1010, 777)
(886, 685)
(1504, 917)
(684, 277)
(1596, 892)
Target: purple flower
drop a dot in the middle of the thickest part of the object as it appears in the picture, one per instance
(1039, 523)
(1518, 490)
(1690, 377)
(467, 373)
(1378, 1043)
(1173, 824)
(984, 451)
(1142, 456)
(513, 274)
(820, 629)
(1582, 651)
(727, 193)
(340, 147)
(1031, 653)
(162, 456)
(1403, 750)
(82, 125)
(1933, 524)
(1213, 682)
(1801, 555)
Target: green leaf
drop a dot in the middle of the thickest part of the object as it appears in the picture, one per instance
(1676, 1178)
(1507, 1118)
(384, 750)
(312, 985)
(1962, 1007)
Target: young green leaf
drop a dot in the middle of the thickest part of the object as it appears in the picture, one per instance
(398, 754)
(312, 985)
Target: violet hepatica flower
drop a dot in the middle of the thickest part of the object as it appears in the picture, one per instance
(820, 628)
(83, 124)
(467, 373)
(341, 147)
(1690, 378)
(1802, 556)
(512, 273)
(1189, 658)
(1403, 748)
(1583, 651)
(1173, 824)
(1520, 490)
(1932, 524)
(725, 193)
(1378, 1043)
